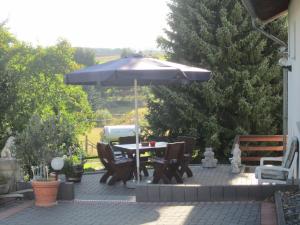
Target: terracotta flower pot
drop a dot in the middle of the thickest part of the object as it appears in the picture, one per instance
(45, 192)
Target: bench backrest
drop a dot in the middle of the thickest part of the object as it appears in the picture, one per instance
(253, 147)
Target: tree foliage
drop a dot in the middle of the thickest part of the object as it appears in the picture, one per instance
(33, 82)
(7, 82)
(245, 94)
(85, 56)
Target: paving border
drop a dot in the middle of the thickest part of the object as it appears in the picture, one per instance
(268, 214)
(279, 208)
(198, 193)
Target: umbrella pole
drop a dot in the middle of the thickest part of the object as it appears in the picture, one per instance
(137, 131)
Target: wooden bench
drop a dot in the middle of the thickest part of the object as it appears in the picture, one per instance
(253, 147)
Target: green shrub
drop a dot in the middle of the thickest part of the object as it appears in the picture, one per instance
(44, 139)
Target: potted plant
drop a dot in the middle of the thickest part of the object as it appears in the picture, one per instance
(41, 141)
(45, 187)
(73, 168)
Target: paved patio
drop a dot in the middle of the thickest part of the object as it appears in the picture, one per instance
(112, 213)
(91, 189)
(97, 203)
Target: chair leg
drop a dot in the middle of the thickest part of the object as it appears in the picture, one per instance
(145, 171)
(127, 176)
(189, 172)
(178, 177)
(165, 179)
(174, 172)
(105, 176)
(160, 172)
(113, 180)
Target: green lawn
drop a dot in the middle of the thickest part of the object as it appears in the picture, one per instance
(92, 165)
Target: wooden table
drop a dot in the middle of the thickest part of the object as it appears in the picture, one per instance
(130, 149)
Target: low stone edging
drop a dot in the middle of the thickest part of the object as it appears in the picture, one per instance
(279, 208)
(198, 193)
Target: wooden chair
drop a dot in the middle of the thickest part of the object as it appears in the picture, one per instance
(143, 159)
(160, 152)
(166, 168)
(127, 140)
(119, 169)
(190, 143)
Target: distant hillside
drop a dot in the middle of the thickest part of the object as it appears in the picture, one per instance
(107, 51)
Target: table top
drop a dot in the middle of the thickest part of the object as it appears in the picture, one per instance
(133, 146)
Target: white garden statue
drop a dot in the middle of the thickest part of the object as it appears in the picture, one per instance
(209, 161)
(8, 148)
(236, 159)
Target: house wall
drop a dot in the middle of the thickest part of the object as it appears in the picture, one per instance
(294, 75)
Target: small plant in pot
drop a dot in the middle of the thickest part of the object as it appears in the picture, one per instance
(45, 187)
(73, 168)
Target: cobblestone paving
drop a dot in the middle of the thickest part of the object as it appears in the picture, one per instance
(10, 204)
(112, 213)
(221, 175)
(91, 189)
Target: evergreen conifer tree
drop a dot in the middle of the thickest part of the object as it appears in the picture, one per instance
(245, 94)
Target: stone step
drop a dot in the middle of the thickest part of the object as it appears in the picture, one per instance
(198, 193)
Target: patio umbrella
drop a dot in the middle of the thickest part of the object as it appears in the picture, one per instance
(137, 70)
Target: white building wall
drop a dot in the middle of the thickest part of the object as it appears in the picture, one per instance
(294, 75)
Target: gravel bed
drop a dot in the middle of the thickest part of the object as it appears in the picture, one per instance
(291, 207)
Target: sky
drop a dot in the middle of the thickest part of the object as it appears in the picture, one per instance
(87, 23)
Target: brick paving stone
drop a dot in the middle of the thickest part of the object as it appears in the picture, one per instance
(131, 213)
(91, 189)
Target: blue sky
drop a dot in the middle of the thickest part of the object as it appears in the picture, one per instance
(87, 23)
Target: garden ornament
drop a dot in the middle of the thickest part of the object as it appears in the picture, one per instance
(8, 148)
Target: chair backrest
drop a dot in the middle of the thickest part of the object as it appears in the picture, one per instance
(127, 140)
(161, 139)
(175, 151)
(290, 154)
(190, 143)
(105, 154)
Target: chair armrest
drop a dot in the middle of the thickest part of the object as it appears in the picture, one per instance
(276, 168)
(278, 159)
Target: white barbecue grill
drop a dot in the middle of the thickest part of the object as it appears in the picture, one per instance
(112, 133)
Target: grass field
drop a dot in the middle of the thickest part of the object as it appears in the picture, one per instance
(93, 164)
(104, 59)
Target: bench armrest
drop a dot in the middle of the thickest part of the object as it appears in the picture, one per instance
(263, 159)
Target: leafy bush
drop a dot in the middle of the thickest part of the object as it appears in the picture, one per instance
(44, 139)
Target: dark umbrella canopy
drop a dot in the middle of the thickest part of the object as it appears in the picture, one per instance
(146, 71)
(137, 70)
